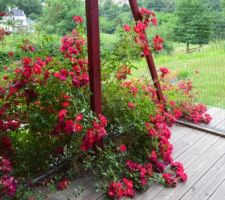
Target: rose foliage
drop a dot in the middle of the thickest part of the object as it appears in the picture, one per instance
(45, 116)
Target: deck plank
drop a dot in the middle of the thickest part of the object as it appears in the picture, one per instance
(196, 150)
(208, 183)
(178, 132)
(76, 185)
(195, 171)
(90, 194)
(187, 141)
(219, 194)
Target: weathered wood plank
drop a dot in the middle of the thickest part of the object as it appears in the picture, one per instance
(196, 150)
(83, 183)
(90, 194)
(208, 183)
(219, 194)
(178, 132)
(195, 171)
(186, 142)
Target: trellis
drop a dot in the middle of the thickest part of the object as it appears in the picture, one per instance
(93, 33)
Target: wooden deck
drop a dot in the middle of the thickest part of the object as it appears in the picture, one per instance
(203, 156)
(218, 122)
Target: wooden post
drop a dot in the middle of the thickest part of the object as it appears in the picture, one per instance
(151, 65)
(92, 16)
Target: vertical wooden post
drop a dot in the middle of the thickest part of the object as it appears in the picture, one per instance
(137, 16)
(92, 16)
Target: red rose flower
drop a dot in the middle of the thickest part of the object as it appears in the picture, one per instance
(126, 28)
(78, 19)
(78, 127)
(123, 148)
(79, 117)
(63, 184)
(131, 105)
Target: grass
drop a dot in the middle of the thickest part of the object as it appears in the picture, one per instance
(205, 68)
(13, 41)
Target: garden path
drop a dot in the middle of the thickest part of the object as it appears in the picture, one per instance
(203, 156)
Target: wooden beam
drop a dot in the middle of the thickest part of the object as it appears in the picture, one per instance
(151, 65)
(212, 131)
(92, 15)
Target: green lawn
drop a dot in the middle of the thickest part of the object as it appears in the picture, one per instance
(209, 63)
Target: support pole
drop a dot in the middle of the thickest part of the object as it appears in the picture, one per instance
(151, 65)
(92, 16)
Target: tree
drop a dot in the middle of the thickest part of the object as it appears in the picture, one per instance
(159, 5)
(4, 4)
(218, 32)
(193, 23)
(110, 10)
(30, 7)
(223, 4)
(57, 15)
(113, 15)
(214, 5)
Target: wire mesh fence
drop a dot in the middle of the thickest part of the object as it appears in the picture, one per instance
(205, 67)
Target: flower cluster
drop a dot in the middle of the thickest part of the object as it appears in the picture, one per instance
(78, 19)
(164, 71)
(176, 174)
(95, 135)
(148, 18)
(179, 171)
(196, 113)
(159, 127)
(63, 184)
(158, 43)
(72, 46)
(123, 72)
(185, 86)
(72, 49)
(123, 188)
(144, 172)
(67, 126)
(8, 184)
(27, 46)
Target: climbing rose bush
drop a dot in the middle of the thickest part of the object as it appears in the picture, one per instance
(45, 114)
